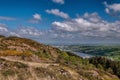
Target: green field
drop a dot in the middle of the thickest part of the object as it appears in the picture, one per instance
(112, 52)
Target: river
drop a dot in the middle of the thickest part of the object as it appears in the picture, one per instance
(83, 55)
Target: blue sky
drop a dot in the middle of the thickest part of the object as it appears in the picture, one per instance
(62, 21)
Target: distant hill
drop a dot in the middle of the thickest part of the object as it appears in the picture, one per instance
(26, 59)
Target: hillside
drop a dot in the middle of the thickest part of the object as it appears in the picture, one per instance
(27, 49)
(25, 59)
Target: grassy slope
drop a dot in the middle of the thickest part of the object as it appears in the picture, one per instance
(36, 61)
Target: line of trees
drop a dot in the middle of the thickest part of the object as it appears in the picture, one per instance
(106, 64)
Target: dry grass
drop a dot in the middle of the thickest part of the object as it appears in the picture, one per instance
(14, 53)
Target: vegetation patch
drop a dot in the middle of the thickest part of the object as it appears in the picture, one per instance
(8, 72)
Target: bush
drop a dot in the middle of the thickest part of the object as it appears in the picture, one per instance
(43, 54)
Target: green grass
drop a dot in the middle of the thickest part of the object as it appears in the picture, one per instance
(8, 72)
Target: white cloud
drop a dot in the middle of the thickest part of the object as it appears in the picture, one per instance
(36, 19)
(29, 32)
(5, 31)
(57, 12)
(3, 28)
(59, 1)
(93, 17)
(37, 16)
(13, 34)
(113, 9)
(107, 10)
(6, 18)
(85, 26)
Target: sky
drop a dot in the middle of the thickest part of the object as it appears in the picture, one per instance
(62, 21)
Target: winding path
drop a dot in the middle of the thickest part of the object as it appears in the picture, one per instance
(32, 64)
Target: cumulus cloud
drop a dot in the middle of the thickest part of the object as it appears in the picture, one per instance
(57, 12)
(115, 6)
(113, 9)
(86, 28)
(93, 17)
(6, 18)
(36, 18)
(5, 31)
(3, 28)
(90, 25)
(59, 1)
(107, 10)
(29, 32)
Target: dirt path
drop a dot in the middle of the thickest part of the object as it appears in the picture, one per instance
(44, 65)
(32, 64)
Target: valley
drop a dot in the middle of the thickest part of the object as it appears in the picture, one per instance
(109, 51)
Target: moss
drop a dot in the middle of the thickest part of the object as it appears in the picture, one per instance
(20, 65)
(8, 72)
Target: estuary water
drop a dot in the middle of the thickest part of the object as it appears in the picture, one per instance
(83, 55)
